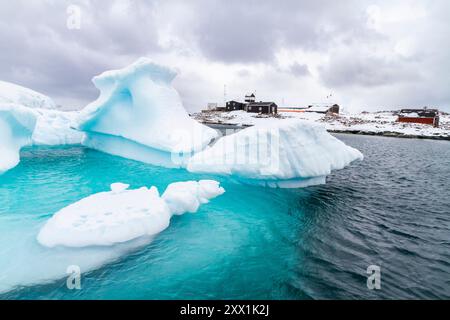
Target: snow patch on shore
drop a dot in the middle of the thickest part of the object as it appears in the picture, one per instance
(366, 122)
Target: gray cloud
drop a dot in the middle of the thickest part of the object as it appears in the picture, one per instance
(340, 51)
(40, 52)
(354, 70)
(252, 31)
(299, 70)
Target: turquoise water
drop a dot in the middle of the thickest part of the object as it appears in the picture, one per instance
(252, 242)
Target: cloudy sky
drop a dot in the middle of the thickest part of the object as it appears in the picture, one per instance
(368, 54)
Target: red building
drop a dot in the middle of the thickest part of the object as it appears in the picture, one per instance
(423, 116)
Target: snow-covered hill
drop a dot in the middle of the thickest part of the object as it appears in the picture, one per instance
(376, 123)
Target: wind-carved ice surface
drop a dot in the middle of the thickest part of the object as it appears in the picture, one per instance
(283, 153)
(121, 215)
(139, 115)
(96, 230)
(16, 128)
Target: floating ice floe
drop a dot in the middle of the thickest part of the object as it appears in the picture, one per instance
(95, 235)
(122, 215)
(16, 127)
(139, 115)
(281, 153)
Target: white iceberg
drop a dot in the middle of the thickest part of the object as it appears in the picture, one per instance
(139, 115)
(27, 262)
(282, 153)
(22, 126)
(28, 117)
(187, 196)
(16, 128)
(15, 94)
(122, 215)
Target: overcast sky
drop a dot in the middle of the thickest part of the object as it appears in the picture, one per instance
(368, 54)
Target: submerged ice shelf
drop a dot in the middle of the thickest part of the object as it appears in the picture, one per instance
(93, 231)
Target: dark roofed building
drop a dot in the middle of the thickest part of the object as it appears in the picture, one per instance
(262, 107)
(333, 109)
(235, 105)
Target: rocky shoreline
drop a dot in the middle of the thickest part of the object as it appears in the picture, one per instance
(390, 134)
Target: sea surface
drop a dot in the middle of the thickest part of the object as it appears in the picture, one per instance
(391, 210)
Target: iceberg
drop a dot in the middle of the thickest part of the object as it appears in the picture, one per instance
(287, 153)
(29, 262)
(21, 126)
(187, 196)
(16, 128)
(54, 127)
(15, 94)
(122, 215)
(139, 115)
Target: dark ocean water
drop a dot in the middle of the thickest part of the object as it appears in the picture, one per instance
(391, 210)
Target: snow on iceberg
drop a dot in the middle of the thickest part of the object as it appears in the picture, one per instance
(13, 93)
(16, 127)
(139, 115)
(287, 153)
(122, 215)
(54, 127)
(187, 196)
